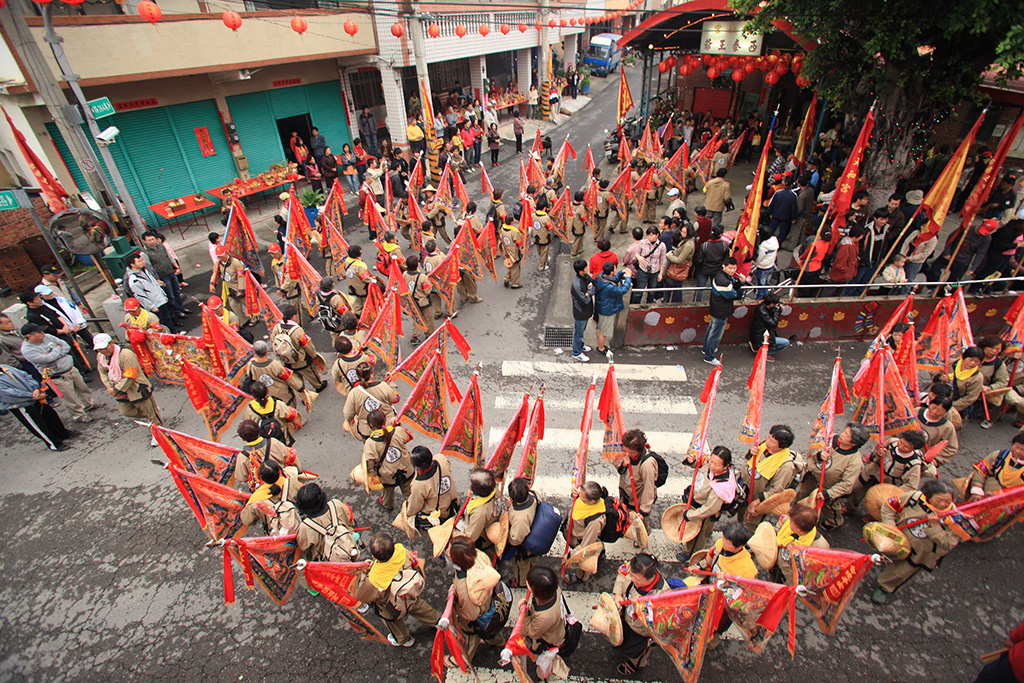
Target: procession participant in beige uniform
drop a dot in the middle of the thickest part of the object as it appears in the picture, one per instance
(605, 203)
(482, 509)
(125, 380)
(999, 470)
(365, 396)
(512, 249)
(343, 370)
(386, 453)
(520, 519)
(393, 586)
(929, 541)
(256, 450)
(798, 528)
(995, 376)
(282, 383)
(264, 406)
(325, 532)
(336, 301)
(936, 425)
(842, 466)
(967, 381)
(272, 504)
(230, 275)
(276, 264)
(578, 224)
(542, 232)
(432, 493)
(544, 625)
(304, 357)
(467, 285)
(350, 329)
(776, 469)
(715, 485)
(643, 578)
(431, 261)
(645, 474)
(589, 516)
(357, 277)
(421, 289)
(903, 460)
(481, 613)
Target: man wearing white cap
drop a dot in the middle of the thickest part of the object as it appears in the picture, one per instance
(675, 201)
(125, 380)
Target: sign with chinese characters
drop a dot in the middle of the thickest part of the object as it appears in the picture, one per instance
(205, 143)
(727, 38)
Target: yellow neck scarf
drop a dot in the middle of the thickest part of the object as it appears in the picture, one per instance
(786, 536)
(383, 573)
(389, 246)
(740, 564)
(477, 501)
(258, 441)
(1010, 475)
(962, 373)
(582, 509)
(263, 492)
(378, 433)
(224, 314)
(255, 406)
(768, 466)
(142, 320)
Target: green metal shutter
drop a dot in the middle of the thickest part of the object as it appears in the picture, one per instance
(257, 130)
(285, 102)
(328, 112)
(211, 171)
(148, 141)
(65, 154)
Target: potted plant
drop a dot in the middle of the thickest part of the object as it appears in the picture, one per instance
(311, 199)
(585, 81)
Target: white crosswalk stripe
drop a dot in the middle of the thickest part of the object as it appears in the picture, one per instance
(659, 373)
(568, 440)
(557, 485)
(683, 405)
(623, 549)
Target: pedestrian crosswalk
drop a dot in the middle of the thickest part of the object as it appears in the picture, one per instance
(648, 405)
(568, 440)
(624, 372)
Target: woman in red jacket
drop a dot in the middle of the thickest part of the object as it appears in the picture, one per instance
(1009, 668)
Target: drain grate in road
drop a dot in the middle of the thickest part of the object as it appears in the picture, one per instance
(557, 337)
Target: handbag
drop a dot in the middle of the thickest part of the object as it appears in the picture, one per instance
(678, 271)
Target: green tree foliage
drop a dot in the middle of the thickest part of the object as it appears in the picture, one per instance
(917, 58)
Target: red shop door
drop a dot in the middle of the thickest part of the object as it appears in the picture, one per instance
(715, 99)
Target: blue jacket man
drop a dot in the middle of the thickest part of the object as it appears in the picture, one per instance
(783, 209)
(21, 395)
(608, 302)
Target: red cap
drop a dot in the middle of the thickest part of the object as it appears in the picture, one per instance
(214, 302)
(221, 249)
(777, 176)
(274, 248)
(131, 303)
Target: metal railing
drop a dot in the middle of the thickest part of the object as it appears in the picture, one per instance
(782, 286)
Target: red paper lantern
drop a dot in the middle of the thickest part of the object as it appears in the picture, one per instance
(505, 28)
(572, 21)
(748, 67)
(563, 22)
(551, 23)
(460, 30)
(150, 11)
(232, 19)
(522, 28)
(351, 27)
(484, 29)
(802, 82)
(771, 78)
(397, 30)
(672, 61)
(738, 75)
(764, 66)
(538, 26)
(796, 66)
(781, 69)
(663, 67)
(772, 59)
(3, 3)
(713, 73)
(433, 30)
(299, 25)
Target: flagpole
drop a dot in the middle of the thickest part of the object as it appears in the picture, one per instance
(952, 257)
(888, 255)
(805, 257)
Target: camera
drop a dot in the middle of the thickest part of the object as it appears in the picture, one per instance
(107, 135)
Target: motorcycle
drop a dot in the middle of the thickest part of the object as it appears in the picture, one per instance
(630, 128)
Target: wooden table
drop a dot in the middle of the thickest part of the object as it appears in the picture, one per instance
(508, 105)
(249, 191)
(185, 216)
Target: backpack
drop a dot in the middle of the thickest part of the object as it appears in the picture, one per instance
(339, 540)
(662, 477)
(283, 349)
(270, 428)
(616, 520)
(383, 262)
(573, 631)
(544, 529)
(325, 313)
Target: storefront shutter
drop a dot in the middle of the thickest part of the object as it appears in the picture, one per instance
(212, 171)
(257, 130)
(328, 113)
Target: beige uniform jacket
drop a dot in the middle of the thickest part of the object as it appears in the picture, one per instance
(544, 623)
(929, 543)
(842, 470)
(366, 397)
(520, 519)
(943, 430)
(279, 380)
(645, 473)
(433, 489)
(389, 460)
(134, 386)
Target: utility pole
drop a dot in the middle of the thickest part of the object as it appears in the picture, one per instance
(71, 78)
(64, 115)
(545, 59)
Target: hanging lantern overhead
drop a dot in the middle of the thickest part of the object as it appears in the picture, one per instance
(484, 29)
(397, 30)
(505, 28)
(802, 82)
(351, 27)
(748, 67)
(522, 28)
(433, 30)
(572, 22)
(563, 22)
(150, 11)
(771, 78)
(738, 75)
(671, 61)
(299, 25)
(460, 30)
(663, 67)
(232, 19)
(713, 73)
(538, 26)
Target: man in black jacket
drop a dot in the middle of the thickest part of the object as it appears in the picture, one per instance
(766, 320)
(709, 258)
(582, 308)
(725, 289)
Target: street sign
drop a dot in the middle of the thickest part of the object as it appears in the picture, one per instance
(87, 165)
(102, 107)
(8, 202)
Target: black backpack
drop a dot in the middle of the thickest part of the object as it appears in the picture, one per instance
(325, 313)
(616, 520)
(662, 468)
(270, 428)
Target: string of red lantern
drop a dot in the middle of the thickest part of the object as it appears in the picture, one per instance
(232, 19)
(150, 11)
(299, 25)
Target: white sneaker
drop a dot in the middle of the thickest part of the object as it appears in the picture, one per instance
(581, 358)
(713, 361)
(153, 443)
(363, 608)
(408, 643)
(586, 348)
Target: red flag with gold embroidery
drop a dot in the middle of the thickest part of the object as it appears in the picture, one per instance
(257, 301)
(339, 248)
(267, 560)
(487, 248)
(757, 607)
(235, 352)
(882, 379)
(746, 230)
(207, 459)
(465, 437)
(398, 285)
(609, 409)
(588, 162)
(824, 425)
(983, 188)
(906, 362)
(460, 189)
(336, 581)
(698, 442)
(299, 229)
(416, 178)
(538, 144)
(681, 622)
(646, 146)
(240, 240)
(900, 315)
(416, 217)
(445, 195)
(804, 143)
(486, 188)
(832, 578)
(334, 205)
(562, 158)
(217, 507)
(524, 177)
(219, 403)
(1014, 334)
(537, 176)
(946, 334)
(625, 102)
(426, 408)
(750, 430)
(502, 456)
(675, 168)
(307, 276)
(444, 276)
(372, 305)
(412, 367)
(449, 638)
(534, 433)
(843, 195)
(620, 191)
(53, 191)
(560, 214)
(385, 332)
(465, 249)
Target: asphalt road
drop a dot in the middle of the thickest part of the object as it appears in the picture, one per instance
(107, 576)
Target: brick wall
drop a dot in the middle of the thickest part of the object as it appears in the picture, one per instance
(951, 130)
(17, 225)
